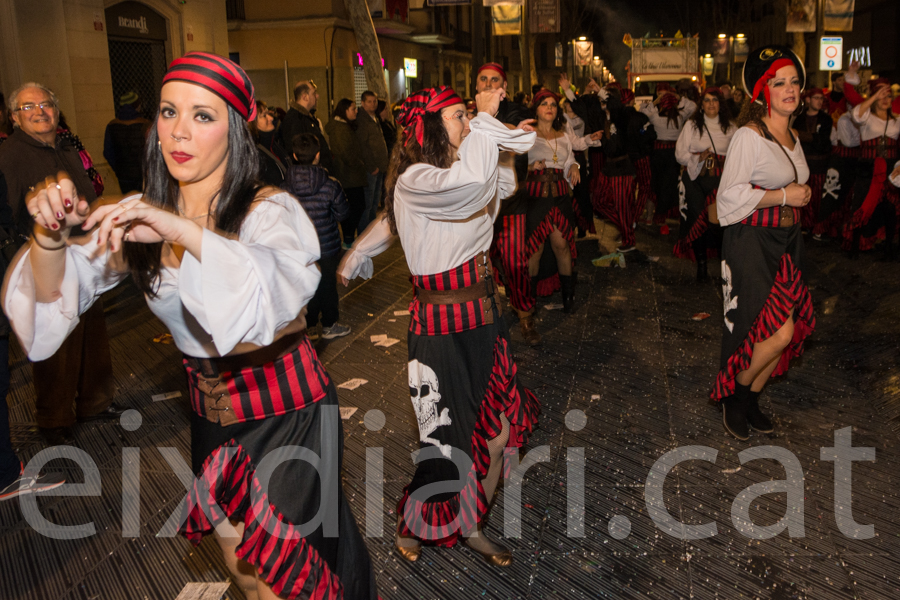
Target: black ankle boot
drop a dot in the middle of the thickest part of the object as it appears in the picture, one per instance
(702, 274)
(734, 412)
(755, 416)
(568, 292)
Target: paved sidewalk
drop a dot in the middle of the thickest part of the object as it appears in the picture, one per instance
(636, 365)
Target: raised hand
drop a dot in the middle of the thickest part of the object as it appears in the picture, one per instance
(55, 206)
(527, 125)
(488, 101)
(137, 221)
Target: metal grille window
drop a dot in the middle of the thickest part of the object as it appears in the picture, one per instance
(138, 67)
(359, 84)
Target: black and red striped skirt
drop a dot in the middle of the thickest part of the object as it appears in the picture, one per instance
(461, 381)
(694, 198)
(872, 187)
(762, 284)
(257, 471)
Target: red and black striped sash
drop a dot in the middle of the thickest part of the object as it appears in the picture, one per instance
(869, 149)
(551, 181)
(846, 151)
(292, 382)
(664, 145)
(720, 164)
(769, 217)
(444, 319)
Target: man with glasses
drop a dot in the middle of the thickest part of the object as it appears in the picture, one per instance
(79, 375)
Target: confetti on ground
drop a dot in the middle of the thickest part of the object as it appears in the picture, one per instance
(617, 298)
(347, 412)
(616, 259)
(730, 471)
(700, 316)
(392, 320)
(553, 306)
(400, 313)
(166, 396)
(203, 591)
(163, 338)
(595, 396)
(354, 383)
(377, 338)
(653, 258)
(387, 342)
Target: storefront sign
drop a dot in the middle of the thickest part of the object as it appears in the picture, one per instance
(135, 20)
(410, 67)
(544, 16)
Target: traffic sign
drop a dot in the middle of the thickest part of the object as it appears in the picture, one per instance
(830, 53)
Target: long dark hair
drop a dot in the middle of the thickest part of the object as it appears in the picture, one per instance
(240, 186)
(254, 128)
(559, 122)
(725, 121)
(435, 150)
(340, 111)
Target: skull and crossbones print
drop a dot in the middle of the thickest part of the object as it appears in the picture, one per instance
(424, 393)
(682, 201)
(729, 303)
(832, 186)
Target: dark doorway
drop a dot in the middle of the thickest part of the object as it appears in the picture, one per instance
(137, 53)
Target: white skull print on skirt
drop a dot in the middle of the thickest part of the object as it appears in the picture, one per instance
(424, 393)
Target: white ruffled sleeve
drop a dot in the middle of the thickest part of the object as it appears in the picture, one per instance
(687, 107)
(43, 326)
(896, 180)
(246, 290)
(472, 181)
(580, 143)
(858, 116)
(736, 198)
(377, 238)
(683, 151)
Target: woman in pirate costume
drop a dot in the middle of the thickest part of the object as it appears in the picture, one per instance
(549, 216)
(875, 200)
(668, 114)
(768, 312)
(228, 266)
(443, 196)
(814, 131)
(837, 189)
(701, 149)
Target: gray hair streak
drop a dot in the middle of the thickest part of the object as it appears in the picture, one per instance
(13, 100)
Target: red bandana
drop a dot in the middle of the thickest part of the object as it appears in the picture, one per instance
(769, 74)
(220, 76)
(493, 67)
(543, 95)
(423, 101)
(627, 96)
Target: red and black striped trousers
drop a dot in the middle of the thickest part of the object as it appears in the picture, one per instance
(620, 205)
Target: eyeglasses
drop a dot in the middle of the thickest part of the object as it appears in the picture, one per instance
(30, 107)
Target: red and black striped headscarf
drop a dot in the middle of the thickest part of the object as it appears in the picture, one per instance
(423, 101)
(220, 76)
(543, 95)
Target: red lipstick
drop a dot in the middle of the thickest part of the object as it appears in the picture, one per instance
(181, 157)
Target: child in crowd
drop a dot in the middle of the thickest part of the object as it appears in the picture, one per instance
(323, 200)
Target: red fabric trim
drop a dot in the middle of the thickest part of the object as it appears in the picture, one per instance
(760, 85)
(287, 562)
(494, 67)
(503, 396)
(682, 248)
(788, 291)
(442, 319)
(809, 214)
(846, 151)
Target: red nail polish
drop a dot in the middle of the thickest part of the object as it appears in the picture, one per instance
(68, 203)
(115, 218)
(59, 215)
(54, 226)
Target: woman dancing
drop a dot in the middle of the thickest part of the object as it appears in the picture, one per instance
(768, 312)
(228, 266)
(701, 149)
(443, 196)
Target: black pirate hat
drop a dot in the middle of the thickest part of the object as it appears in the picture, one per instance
(761, 65)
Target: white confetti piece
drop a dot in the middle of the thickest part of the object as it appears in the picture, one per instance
(203, 591)
(387, 342)
(354, 383)
(347, 412)
(400, 313)
(595, 396)
(553, 306)
(166, 396)
(377, 338)
(392, 320)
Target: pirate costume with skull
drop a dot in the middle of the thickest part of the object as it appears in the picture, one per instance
(762, 250)
(462, 378)
(837, 190)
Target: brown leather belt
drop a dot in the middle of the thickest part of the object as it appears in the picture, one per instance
(482, 289)
(212, 367)
(554, 175)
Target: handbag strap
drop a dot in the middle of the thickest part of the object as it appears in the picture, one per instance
(771, 138)
(710, 138)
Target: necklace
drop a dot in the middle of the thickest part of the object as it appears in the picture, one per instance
(555, 148)
(206, 214)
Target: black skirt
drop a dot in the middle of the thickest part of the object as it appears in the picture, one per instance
(295, 563)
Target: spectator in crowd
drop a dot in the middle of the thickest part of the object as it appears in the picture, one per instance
(80, 372)
(325, 204)
(300, 119)
(374, 154)
(388, 127)
(349, 167)
(273, 161)
(6, 127)
(519, 98)
(123, 143)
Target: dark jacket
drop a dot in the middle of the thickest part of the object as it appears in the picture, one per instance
(815, 137)
(513, 113)
(349, 167)
(298, 120)
(390, 135)
(641, 134)
(26, 161)
(273, 161)
(371, 142)
(323, 200)
(123, 146)
(616, 140)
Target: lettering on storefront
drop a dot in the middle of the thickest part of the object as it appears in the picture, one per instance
(139, 24)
